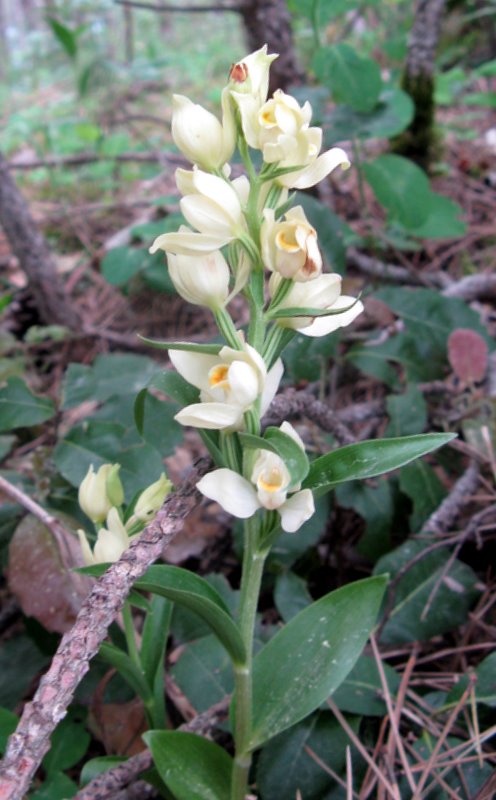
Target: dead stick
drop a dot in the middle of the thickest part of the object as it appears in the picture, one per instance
(27, 746)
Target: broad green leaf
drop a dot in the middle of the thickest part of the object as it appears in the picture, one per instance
(109, 375)
(407, 413)
(485, 685)
(20, 662)
(350, 78)
(8, 724)
(192, 767)
(191, 591)
(444, 219)
(174, 386)
(154, 637)
(291, 595)
(121, 264)
(69, 743)
(311, 657)
(375, 360)
(370, 458)
(95, 767)
(305, 357)
(6, 443)
(285, 766)
(392, 114)
(203, 672)
(456, 591)
(126, 667)
(294, 457)
(401, 187)
(376, 505)
(155, 422)
(421, 484)
(288, 548)
(20, 408)
(186, 626)
(362, 693)
(57, 787)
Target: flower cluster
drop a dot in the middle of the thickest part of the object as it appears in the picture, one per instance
(101, 496)
(238, 230)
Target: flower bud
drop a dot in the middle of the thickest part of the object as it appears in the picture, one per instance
(152, 498)
(99, 491)
(110, 543)
(200, 135)
(201, 280)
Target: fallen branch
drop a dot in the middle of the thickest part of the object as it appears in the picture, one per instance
(31, 740)
(441, 520)
(293, 403)
(122, 775)
(165, 9)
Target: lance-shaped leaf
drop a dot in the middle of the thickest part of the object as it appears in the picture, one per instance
(368, 459)
(190, 766)
(311, 656)
(194, 593)
(281, 313)
(210, 349)
(118, 659)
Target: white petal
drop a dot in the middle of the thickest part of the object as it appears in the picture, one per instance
(234, 493)
(88, 557)
(205, 215)
(317, 170)
(219, 191)
(321, 326)
(244, 384)
(211, 416)
(288, 429)
(295, 511)
(190, 243)
(271, 386)
(194, 367)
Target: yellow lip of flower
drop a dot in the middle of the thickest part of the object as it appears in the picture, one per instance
(217, 376)
(272, 482)
(283, 242)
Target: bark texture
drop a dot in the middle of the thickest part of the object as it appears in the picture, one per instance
(418, 142)
(269, 22)
(33, 254)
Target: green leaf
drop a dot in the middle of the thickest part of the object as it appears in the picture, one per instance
(305, 357)
(192, 767)
(401, 187)
(109, 376)
(421, 484)
(306, 311)
(362, 693)
(311, 657)
(20, 408)
(288, 548)
(57, 787)
(485, 685)
(8, 724)
(67, 39)
(121, 264)
(350, 78)
(154, 637)
(290, 595)
(6, 443)
(176, 387)
(285, 766)
(20, 662)
(203, 672)
(391, 115)
(210, 349)
(124, 665)
(444, 220)
(294, 457)
(374, 360)
(334, 234)
(457, 589)
(376, 505)
(370, 458)
(96, 766)
(69, 743)
(407, 413)
(191, 591)
(155, 422)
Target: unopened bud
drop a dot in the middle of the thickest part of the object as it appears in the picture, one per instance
(93, 493)
(152, 498)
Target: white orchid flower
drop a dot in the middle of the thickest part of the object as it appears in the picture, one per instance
(213, 208)
(200, 135)
(268, 487)
(110, 543)
(229, 384)
(202, 280)
(249, 86)
(322, 293)
(290, 247)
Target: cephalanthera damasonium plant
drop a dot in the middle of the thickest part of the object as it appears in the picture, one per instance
(246, 237)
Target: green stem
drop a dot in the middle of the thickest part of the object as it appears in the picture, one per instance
(227, 329)
(130, 633)
(253, 564)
